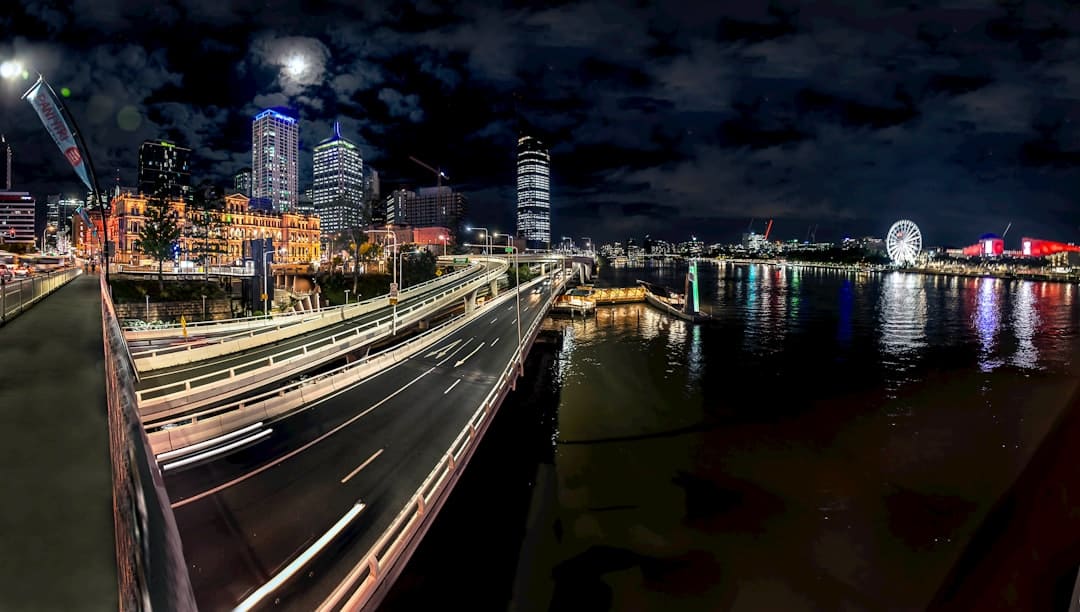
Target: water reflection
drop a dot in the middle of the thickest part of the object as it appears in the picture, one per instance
(902, 322)
(1025, 321)
(987, 322)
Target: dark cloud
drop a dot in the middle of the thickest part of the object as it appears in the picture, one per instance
(667, 119)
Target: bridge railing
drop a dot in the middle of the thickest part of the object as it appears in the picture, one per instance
(190, 394)
(174, 329)
(178, 432)
(407, 528)
(151, 571)
(18, 295)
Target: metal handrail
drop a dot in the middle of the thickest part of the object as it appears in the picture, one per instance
(39, 287)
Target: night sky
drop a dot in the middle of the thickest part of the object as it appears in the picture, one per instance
(691, 119)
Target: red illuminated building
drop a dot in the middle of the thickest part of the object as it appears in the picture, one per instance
(989, 245)
(1035, 247)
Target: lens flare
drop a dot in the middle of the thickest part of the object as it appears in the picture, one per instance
(10, 69)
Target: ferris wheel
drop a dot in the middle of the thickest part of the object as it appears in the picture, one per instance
(903, 242)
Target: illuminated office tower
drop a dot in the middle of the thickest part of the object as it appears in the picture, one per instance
(275, 153)
(533, 193)
(165, 170)
(338, 191)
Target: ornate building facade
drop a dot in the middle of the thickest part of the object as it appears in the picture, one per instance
(221, 236)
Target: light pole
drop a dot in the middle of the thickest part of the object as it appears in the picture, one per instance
(443, 238)
(266, 273)
(517, 293)
(346, 297)
(52, 111)
(48, 228)
(588, 243)
(393, 286)
(486, 236)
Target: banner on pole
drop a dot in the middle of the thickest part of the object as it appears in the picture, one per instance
(48, 108)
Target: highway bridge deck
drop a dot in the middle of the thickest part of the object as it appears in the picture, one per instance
(55, 475)
(244, 517)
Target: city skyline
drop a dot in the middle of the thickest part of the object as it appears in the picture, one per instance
(964, 121)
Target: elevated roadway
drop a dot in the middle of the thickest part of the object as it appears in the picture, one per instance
(169, 392)
(168, 349)
(302, 508)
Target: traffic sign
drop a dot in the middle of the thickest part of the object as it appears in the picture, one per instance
(509, 249)
(393, 289)
(460, 260)
(262, 297)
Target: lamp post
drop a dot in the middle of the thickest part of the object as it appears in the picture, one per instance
(48, 228)
(12, 69)
(393, 286)
(486, 236)
(266, 273)
(443, 238)
(588, 243)
(517, 293)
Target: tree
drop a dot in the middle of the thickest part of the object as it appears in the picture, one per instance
(158, 234)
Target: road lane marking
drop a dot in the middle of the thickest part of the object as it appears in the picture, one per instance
(274, 583)
(217, 451)
(493, 321)
(303, 448)
(451, 387)
(362, 466)
(466, 357)
(496, 341)
(439, 352)
(451, 356)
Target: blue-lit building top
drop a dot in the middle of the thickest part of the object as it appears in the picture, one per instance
(275, 153)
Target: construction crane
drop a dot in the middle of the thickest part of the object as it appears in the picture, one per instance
(768, 229)
(1007, 228)
(439, 174)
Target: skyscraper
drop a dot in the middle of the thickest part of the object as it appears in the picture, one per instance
(242, 182)
(533, 193)
(275, 156)
(339, 183)
(5, 164)
(165, 170)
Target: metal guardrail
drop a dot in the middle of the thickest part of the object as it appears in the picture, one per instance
(174, 271)
(151, 571)
(175, 329)
(195, 392)
(179, 432)
(401, 536)
(18, 295)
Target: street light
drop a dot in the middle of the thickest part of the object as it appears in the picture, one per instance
(486, 236)
(588, 242)
(443, 238)
(11, 70)
(48, 228)
(266, 273)
(517, 293)
(393, 286)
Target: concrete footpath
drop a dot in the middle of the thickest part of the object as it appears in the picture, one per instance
(57, 546)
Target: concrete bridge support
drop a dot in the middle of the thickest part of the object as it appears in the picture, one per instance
(470, 300)
(493, 288)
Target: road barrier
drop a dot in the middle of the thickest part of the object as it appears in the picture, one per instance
(183, 397)
(175, 330)
(18, 295)
(178, 432)
(151, 571)
(361, 588)
(181, 354)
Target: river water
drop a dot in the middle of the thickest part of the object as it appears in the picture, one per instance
(831, 442)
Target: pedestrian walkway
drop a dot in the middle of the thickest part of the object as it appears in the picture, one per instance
(57, 546)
